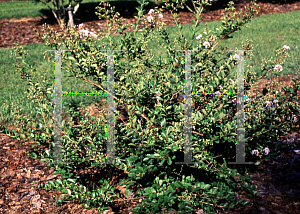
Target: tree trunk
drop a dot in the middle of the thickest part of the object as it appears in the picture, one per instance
(69, 9)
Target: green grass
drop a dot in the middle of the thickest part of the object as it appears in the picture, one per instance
(268, 32)
(18, 9)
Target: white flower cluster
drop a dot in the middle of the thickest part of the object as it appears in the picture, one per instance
(86, 32)
(150, 17)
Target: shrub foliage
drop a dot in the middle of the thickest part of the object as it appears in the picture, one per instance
(149, 86)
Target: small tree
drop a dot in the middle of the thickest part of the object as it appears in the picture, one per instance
(191, 5)
(60, 12)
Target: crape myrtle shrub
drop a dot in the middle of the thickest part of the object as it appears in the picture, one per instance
(149, 86)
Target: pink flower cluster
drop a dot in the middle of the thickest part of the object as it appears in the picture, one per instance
(150, 18)
(255, 151)
(269, 104)
(278, 67)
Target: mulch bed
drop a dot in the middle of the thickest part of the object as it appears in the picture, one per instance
(20, 30)
(18, 193)
(277, 181)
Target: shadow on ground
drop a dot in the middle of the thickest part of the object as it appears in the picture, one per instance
(127, 9)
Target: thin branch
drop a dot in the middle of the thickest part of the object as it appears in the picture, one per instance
(194, 5)
(51, 10)
(76, 7)
(188, 8)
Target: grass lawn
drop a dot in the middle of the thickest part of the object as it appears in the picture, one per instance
(268, 33)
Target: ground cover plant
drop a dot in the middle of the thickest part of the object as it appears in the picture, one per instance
(180, 184)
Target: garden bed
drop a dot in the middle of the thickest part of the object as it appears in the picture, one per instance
(277, 181)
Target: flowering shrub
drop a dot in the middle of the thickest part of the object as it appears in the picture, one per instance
(153, 140)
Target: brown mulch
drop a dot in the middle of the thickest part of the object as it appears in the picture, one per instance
(18, 193)
(277, 181)
(20, 30)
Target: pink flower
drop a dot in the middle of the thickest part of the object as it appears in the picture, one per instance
(198, 37)
(268, 103)
(255, 151)
(206, 44)
(150, 18)
(150, 11)
(278, 67)
(230, 80)
(212, 38)
(160, 16)
(286, 47)
(295, 118)
(267, 150)
(80, 26)
(236, 56)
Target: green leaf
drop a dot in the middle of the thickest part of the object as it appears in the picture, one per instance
(169, 161)
(71, 180)
(163, 123)
(58, 181)
(140, 13)
(51, 183)
(23, 136)
(134, 120)
(257, 163)
(222, 115)
(207, 186)
(245, 203)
